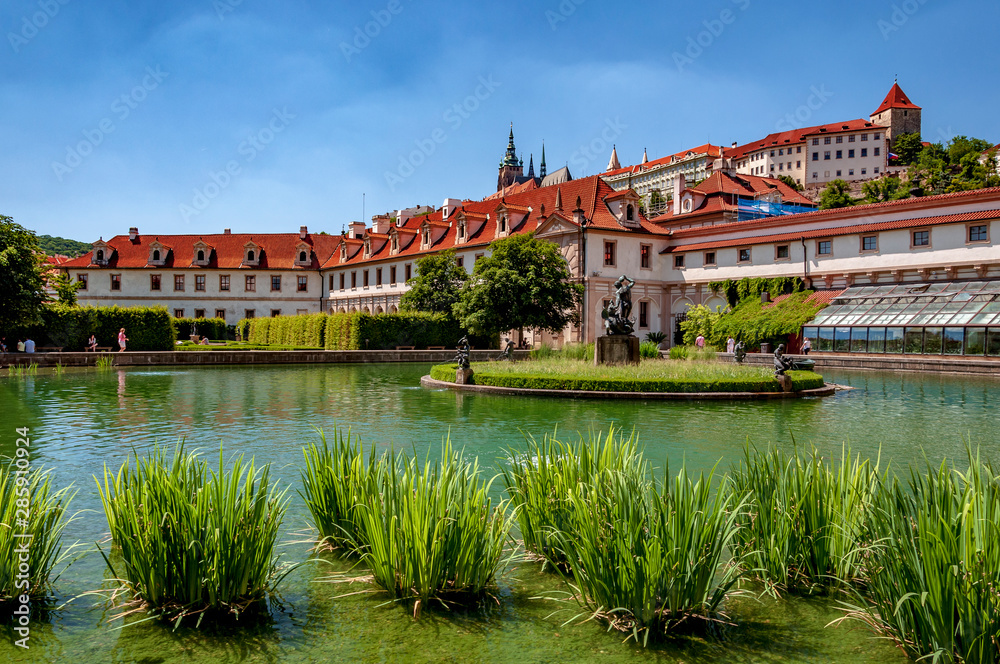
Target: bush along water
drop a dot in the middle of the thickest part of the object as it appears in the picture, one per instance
(193, 540)
(805, 519)
(428, 532)
(32, 518)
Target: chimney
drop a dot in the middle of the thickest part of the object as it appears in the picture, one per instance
(578, 217)
(227, 231)
(133, 233)
(680, 184)
(765, 297)
(734, 145)
(303, 232)
(449, 206)
(357, 229)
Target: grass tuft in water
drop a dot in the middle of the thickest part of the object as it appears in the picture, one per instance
(541, 479)
(193, 540)
(933, 577)
(652, 562)
(32, 520)
(105, 362)
(802, 530)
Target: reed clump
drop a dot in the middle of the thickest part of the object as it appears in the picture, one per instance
(932, 581)
(32, 518)
(541, 480)
(192, 539)
(426, 531)
(803, 529)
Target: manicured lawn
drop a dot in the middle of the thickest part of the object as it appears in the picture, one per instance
(649, 376)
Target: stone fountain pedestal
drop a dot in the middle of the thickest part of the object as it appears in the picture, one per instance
(616, 349)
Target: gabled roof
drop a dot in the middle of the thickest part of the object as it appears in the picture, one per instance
(795, 136)
(278, 250)
(721, 184)
(895, 99)
(707, 149)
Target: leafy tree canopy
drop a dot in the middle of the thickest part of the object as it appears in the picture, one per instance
(524, 283)
(884, 189)
(437, 284)
(908, 147)
(836, 195)
(59, 245)
(790, 181)
(22, 282)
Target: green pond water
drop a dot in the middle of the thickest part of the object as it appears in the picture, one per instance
(83, 419)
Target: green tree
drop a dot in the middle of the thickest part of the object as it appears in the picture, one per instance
(836, 195)
(884, 189)
(59, 245)
(700, 320)
(65, 288)
(960, 146)
(437, 284)
(524, 283)
(22, 282)
(908, 148)
(790, 181)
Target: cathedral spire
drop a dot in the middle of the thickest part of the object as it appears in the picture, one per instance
(644, 157)
(541, 167)
(531, 166)
(613, 163)
(510, 158)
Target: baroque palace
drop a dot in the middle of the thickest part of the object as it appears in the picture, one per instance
(908, 256)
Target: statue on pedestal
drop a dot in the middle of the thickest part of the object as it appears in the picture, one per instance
(462, 357)
(617, 315)
(508, 352)
(739, 352)
(781, 363)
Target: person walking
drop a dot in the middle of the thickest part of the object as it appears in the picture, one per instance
(730, 345)
(700, 341)
(121, 339)
(806, 346)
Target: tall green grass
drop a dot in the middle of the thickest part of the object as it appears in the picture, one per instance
(541, 480)
(29, 506)
(192, 539)
(652, 561)
(105, 362)
(649, 350)
(932, 581)
(426, 531)
(805, 517)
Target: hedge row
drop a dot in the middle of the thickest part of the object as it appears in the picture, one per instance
(801, 380)
(213, 328)
(147, 328)
(357, 331)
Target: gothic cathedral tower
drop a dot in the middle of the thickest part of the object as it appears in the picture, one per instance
(511, 168)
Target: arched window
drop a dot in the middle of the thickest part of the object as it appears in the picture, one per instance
(302, 257)
(156, 254)
(629, 213)
(250, 256)
(100, 254)
(201, 255)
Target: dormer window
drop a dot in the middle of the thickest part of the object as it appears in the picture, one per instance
(343, 253)
(368, 248)
(100, 255)
(630, 213)
(426, 235)
(302, 257)
(156, 255)
(394, 246)
(250, 256)
(461, 230)
(502, 223)
(201, 255)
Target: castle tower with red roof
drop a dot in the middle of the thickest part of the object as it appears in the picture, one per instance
(897, 114)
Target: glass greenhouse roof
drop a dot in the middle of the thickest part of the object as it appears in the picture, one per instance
(942, 303)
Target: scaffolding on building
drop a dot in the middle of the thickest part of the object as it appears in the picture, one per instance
(767, 204)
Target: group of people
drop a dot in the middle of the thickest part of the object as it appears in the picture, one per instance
(24, 345)
(27, 345)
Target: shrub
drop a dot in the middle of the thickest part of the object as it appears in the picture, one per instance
(649, 350)
(754, 323)
(805, 517)
(656, 337)
(213, 328)
(193, 539)
(679, 352)
(47, 517)
(147, 328)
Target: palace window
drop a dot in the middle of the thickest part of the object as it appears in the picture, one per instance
(679, 261)
(629, 213)
(82, 280)
(644, 253)
(709, 258)
(249, 313)
(643, 314)
(354, 279)
(609, 253)
(199, 313)
(869, 243)
(199, 282)
(275, 282)
(407, 272)
(460, 261)
(250, 284)
(781, 252)
(979, 233)
(275, 313)
(223, 282)
(154, 282)
(156, 255)
(743, 255)
(178, 282)
(365, 273)
(921, 238)
(178, 313)
(220, 313)
(392, 275)
(302, 257)
(116, 282)
(824, 247)
(341, 281)
(201, 255)
(303, 283)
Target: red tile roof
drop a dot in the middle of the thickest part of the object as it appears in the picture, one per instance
(278, 251)
(895, 99)
(819, 297)
(707, 149)
(834, 232)
(510, 190)
(721, 184)
(794, 136)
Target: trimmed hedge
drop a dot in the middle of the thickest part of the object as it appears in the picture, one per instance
(801, 380)
(147, 328)
(213, 328)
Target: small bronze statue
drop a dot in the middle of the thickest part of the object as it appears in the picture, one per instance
(781, 363)
(462, 357)
(508, 352)
(739, 352)
(617, 315)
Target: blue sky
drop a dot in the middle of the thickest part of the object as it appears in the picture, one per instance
(197, 115)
